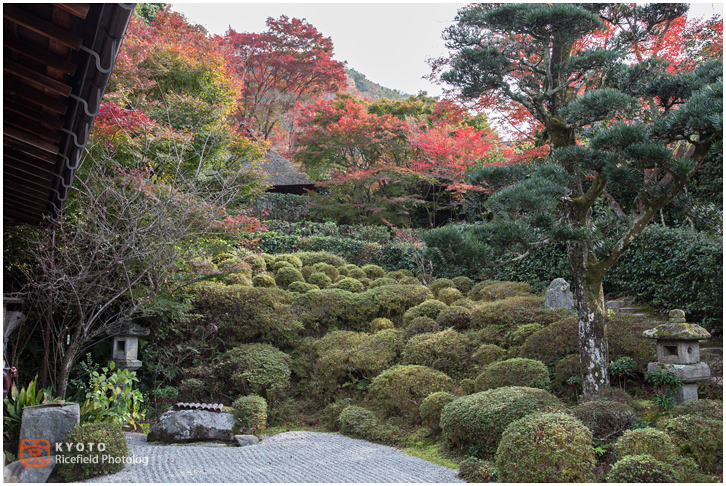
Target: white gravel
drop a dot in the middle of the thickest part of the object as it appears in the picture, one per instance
(290, 457)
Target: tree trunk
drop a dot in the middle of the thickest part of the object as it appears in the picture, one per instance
(67, 361)
(591, 320)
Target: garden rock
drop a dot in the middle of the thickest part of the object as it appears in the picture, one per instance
(181, 426)
(246, 440)
(559, 295)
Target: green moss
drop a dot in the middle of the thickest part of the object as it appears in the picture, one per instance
(680, 331)
(99, 433)
(546, 448)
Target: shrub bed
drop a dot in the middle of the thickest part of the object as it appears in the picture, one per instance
(605, 419)
(90, 463)
(446, 351)
(255, 368)
(513, 372)
(641, 469)
(250, 413)
(361, 423)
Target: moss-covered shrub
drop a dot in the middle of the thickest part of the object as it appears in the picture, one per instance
(520, 335)
(287, 275)
(293, 260)
(349, 284)
(355, 272)
(400, 390)
(327, 269)
(490, 290)
(605, 419)
(421, 325)
(250, 414)
(334, 308)
(645, 441)
(625, 338)
(361, 423)
(301, 287)
(704, 408)
(256, 263)
(505, 316)
(393, 301)
(91, 461)
(475, 470)
(263, 280)
(440, 283)
(373, 271)
(480, 419)
(553, 343)
(399, 274)
(332, 413)
(431, 407)
(513, 372)
(381, 323)
(463, 284)
(279, 265)
(447, 351)
(641, 469)
(488, 353)
(320, 279)
(429, 308)
(245, 314)
(700, 439)
(546, 448)
(449, 295)
(237, 279)
(306, 271)
(256, 368)
(383, 281)
(377, 352)
(458, 318)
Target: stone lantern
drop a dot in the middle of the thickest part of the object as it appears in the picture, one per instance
(126, 345)
(678, 350)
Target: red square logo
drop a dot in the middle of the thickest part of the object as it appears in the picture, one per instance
(31, 453)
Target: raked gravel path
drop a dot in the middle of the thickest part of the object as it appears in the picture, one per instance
(290, 457)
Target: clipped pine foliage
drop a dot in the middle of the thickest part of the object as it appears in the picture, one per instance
(479, 420)
(513, 372)
(546, 448)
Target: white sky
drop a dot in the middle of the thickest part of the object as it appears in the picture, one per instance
(387, 42)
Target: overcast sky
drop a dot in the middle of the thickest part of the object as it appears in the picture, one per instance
(387, 42)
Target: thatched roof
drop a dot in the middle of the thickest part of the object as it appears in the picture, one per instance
(281, 172)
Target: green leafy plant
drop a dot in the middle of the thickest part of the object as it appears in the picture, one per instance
(666, 384)
(14, 404)
(622, 368)
(112, 398)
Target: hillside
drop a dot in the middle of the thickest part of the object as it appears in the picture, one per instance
(362, 87)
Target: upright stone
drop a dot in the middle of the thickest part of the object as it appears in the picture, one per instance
(559, 295)
(41, 428)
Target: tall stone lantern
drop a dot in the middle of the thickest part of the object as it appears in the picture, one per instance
(678, 350)
(126, 345)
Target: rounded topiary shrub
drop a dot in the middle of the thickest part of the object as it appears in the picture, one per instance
(250, 414)
(513, 372)
(361, 423)
(382, 282)
(312, 258)
(306, 271)
(263, 280)
(289, 258)
(431, 407)
(641, 469)
(458, 318)
(479, 420)
(449, 295)
(546, 448)
(463, 284)
(440, 283)
(447, 351)
(349, 284)
(475, 470)
(704, 408)
(625, 339)
(277, 266)
(699, 438)
(193, 389)
(553, 343)
(301, 287)
(645, 441)
(373, 271)
(320, 279)
(381, 323)
(287, 275)
(355, 272)
(520, 335)
(605, 419)
(567, 368)
(421, 325)
(399, 274)
(491, 290)
(430, 308)
(256, 368)
(78, 465)
(332, 412)
(400, 390)
(327, 269)
(489, 353)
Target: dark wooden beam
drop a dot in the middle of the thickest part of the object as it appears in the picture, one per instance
(30, 139)
(44, 119)
(80, 10)
(17, 91)
(41, 55)
(35, 78)
(42, 27)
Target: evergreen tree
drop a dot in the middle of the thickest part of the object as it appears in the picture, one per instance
(625, 131)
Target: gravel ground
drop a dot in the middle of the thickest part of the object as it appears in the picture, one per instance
(290, 457)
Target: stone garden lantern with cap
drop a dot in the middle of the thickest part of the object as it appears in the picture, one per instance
(126, 345)
(678, 350)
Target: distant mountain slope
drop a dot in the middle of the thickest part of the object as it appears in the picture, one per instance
(362, 87)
